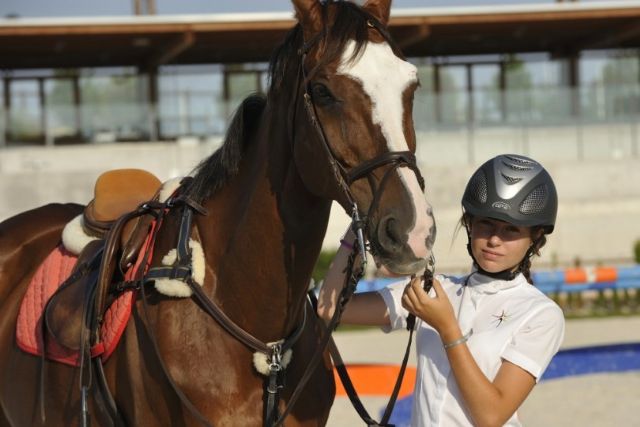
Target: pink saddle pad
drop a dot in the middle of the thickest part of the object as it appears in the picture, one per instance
(50, 275)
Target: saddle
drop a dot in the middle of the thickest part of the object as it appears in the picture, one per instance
(113, 216)
(116, 193)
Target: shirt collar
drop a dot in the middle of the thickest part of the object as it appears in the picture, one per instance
(488, 285)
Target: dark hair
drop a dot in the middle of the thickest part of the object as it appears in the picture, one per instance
(525, 264)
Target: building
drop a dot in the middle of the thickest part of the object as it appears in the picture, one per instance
(557, 81)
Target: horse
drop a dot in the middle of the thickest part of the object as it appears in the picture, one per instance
(335, 125)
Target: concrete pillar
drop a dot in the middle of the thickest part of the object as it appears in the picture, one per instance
(44, 114)
(471, 122)
(437, 90)
(4, 117)
(154, 115)
(77, 106)
(573, 63)
(503, 90)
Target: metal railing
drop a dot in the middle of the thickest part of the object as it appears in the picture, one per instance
(586, 119)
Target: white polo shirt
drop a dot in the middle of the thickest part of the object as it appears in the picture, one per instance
(511, 320)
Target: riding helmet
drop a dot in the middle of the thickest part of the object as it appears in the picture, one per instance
(515, 189)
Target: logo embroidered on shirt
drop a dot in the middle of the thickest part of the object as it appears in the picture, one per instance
(502, 317)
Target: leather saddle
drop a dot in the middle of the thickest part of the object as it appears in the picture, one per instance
(75, 311)
(116, 193)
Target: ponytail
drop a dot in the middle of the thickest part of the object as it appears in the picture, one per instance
(538, 243)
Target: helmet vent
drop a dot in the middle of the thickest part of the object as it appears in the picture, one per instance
(478, 187)
(520, 160)
(516, 167)
(511, 179)
(535, 202)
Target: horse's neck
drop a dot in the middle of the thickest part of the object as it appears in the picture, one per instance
(262, 237)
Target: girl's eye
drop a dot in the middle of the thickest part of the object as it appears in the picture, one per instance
(321, 94)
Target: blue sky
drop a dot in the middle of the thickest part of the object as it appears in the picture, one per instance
(40, 8)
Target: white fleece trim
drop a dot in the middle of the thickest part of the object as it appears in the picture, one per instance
(74, 238)
(177, 288)
(261, 361)
(168, 188)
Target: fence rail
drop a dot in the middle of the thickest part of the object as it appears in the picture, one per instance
(571, 280)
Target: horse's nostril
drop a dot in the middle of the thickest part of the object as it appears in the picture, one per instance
(390, 235)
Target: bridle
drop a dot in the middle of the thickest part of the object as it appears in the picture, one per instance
(346, 177)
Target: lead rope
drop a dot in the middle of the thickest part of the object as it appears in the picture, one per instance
(346, 379)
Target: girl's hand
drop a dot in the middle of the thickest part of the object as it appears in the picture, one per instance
(436, 311)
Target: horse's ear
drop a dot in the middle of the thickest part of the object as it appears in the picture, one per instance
(380, 9)
(309, 14)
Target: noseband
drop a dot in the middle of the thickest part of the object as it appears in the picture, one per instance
(345, 177)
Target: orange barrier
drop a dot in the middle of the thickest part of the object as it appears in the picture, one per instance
(377, 380)
(589, 275)
(575, 275)
(606, 274)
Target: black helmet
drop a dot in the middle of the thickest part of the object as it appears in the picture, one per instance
(515, 189)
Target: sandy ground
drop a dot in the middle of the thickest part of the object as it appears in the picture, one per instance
(610, 399)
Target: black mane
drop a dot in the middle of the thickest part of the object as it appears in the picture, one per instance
(214, 172)
(351, 23)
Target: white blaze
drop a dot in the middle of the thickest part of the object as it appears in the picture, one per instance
(385, 77)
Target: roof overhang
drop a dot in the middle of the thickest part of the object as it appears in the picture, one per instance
(148, 41)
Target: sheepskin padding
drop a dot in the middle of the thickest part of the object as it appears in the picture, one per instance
(177, 288)
(261, 361)
(74, 238)
(168, 188)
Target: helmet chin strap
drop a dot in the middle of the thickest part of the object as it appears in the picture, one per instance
(507, 274)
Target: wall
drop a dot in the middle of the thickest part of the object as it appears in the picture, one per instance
(599, 191)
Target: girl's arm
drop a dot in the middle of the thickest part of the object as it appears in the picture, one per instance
(366, 308)
(489, 403)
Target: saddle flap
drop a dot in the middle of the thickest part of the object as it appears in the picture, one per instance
(69, 312)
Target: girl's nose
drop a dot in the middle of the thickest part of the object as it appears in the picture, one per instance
(494, 239)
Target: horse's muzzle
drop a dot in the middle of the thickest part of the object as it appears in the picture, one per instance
(391, 249)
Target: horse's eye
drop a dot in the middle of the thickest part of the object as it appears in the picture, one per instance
(321, 94)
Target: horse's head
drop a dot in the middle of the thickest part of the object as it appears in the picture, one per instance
(356, 141)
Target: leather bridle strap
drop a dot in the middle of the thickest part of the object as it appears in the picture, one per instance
(213, 310)
(181, 271)
(400, 158)
(352, 277)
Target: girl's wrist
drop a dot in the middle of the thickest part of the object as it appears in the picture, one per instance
(463, 339)
(346, 244)
(450, 334)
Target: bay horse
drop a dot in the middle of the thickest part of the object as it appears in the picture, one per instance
(336, 124)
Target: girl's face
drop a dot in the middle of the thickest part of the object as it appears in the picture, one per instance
(498, 245)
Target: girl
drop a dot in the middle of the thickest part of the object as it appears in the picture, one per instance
(483, 340)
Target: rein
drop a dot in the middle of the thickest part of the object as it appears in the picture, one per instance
(346, 379)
